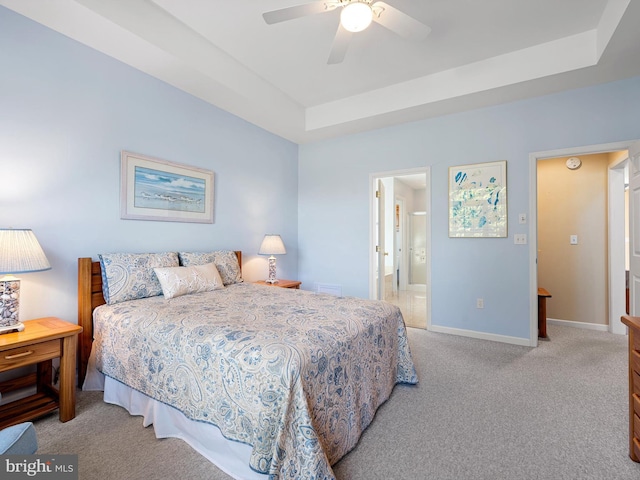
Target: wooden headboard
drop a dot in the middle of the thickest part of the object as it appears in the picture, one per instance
(89, 297)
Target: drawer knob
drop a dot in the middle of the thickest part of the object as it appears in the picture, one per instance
(18, 355)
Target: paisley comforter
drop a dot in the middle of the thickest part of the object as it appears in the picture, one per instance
(296, 375)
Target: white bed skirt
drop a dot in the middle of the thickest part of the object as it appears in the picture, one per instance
(229, 456)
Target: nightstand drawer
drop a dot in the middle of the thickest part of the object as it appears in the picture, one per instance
(28, 355)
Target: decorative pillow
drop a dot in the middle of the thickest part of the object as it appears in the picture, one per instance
(177, 281)
(226, 262)
(127, 276)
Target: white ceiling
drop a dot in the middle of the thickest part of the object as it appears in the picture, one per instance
(414, 181)
(276, 76)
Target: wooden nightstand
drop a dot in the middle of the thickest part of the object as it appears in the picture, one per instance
(41, 340)
(282, 284)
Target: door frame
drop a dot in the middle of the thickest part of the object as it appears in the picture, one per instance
(373, 180)
(380, 242)
(533, 217)
(615, 260)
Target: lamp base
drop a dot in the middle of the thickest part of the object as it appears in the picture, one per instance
(16, 327)
(272, 270)
(9, 304)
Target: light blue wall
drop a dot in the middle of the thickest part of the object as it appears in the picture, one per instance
(334, 206)
(66, 112)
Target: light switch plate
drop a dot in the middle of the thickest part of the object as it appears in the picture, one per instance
(573, 239)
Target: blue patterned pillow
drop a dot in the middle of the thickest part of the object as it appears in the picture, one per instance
(127, 276)
(226, 262)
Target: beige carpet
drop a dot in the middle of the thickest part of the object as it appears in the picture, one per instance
(482, 410)
(112, 445)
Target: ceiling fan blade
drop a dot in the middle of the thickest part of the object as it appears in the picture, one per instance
(399, 22)
(297, 11)
(339, 46)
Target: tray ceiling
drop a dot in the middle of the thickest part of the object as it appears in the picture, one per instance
(277, 76)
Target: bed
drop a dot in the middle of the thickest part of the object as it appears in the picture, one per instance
(263, 381)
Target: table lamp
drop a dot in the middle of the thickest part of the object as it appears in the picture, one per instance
(20, 252)
(272, 245)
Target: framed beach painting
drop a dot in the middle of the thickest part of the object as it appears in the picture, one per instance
(478, 200)
(153, 189)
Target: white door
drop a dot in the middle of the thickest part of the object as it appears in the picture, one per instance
(380, 244)
(398, 249)
(634, 229)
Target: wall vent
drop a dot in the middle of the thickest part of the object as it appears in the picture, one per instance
(330, 289)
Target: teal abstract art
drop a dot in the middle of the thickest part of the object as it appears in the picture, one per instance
(478, 200)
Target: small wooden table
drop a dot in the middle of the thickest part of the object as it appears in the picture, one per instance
(282, 284)
(41, 341)
(542, 312)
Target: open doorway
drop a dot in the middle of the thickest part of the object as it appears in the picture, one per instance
(400, 232)
(584, 269)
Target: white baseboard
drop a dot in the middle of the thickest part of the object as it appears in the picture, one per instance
(416, 287)
(525, 342)
(570, 323)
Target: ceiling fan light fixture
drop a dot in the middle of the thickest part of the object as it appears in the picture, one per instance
(356, 16)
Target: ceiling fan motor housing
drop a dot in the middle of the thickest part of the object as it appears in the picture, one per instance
(356, 16)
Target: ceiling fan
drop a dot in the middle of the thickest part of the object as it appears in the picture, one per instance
(356, 15)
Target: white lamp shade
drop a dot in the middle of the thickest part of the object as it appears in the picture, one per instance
(356, 16)
(20, 252)
(272, 245)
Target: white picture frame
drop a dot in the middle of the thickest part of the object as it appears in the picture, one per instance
(158, 190)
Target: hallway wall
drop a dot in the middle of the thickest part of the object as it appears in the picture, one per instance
(574, 202)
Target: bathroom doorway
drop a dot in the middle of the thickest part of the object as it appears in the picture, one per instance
(400, 227)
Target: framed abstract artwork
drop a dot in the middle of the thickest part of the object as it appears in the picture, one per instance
(153, 189)
(478, 200)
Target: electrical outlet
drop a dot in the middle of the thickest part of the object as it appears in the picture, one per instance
(479, 302)
(520, 239)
